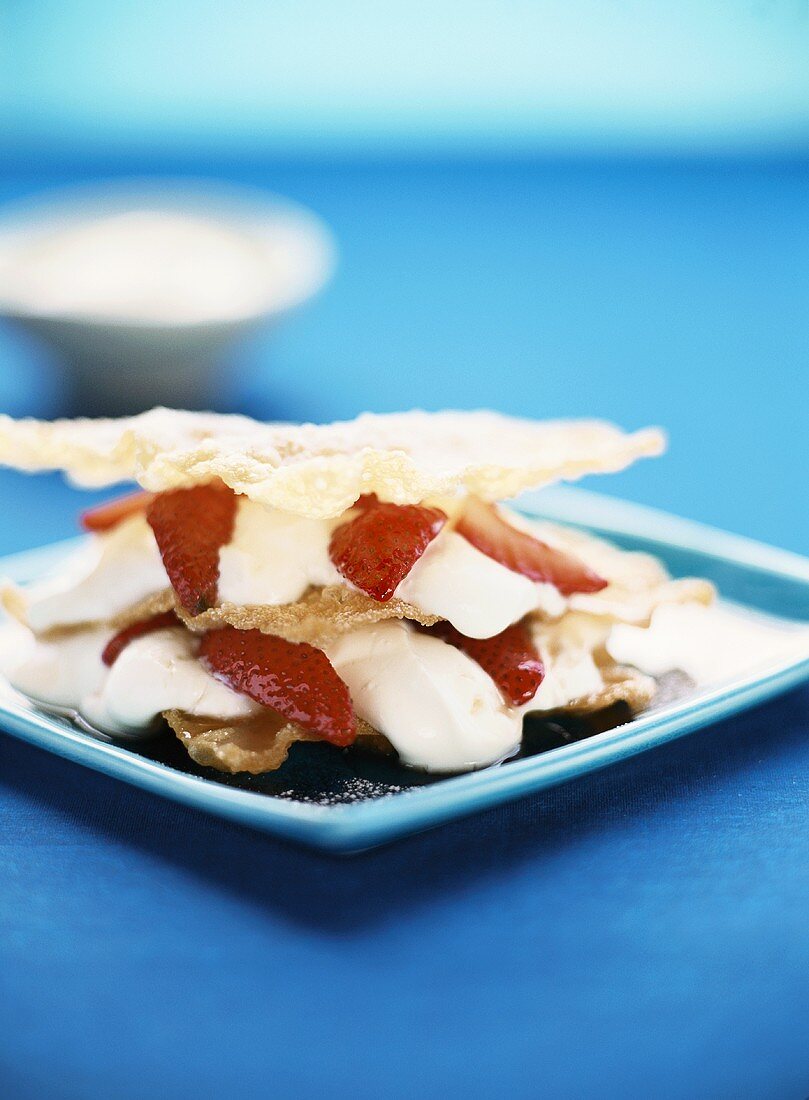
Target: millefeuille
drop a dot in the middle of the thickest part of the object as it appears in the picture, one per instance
(357, 581)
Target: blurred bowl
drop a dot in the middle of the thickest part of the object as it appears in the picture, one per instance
(141, 286)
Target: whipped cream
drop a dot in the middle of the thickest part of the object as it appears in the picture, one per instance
(477, 595)
(437, 707)
(274, 556)
(157, 672)
(60, 672)
(709, 644)
(108, 574)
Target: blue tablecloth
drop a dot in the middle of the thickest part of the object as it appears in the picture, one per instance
(639, 933)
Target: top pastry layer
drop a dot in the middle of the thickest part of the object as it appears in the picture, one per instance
(319, 470)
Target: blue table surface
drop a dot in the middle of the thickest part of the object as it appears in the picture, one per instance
(640, 932)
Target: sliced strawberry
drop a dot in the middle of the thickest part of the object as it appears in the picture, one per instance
(191, 526)
(117, 644)
(293, 678)
(510, 658)
(113, 512)
(378, 548)
(483, 526)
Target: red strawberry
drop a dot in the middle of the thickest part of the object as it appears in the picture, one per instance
(113, 512)
(117, 644)
(293, 678)
(483, 526)
(378, 548)
(510, 658)
(191, 526)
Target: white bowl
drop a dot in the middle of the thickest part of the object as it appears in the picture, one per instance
(141, 285)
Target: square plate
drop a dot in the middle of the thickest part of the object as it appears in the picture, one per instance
(347, 802)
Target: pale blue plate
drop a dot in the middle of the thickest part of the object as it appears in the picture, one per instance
(330, 801)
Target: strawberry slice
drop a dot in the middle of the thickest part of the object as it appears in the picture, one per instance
(510, 658)
(191, 526)
(117, 644)
(113, 512)
(483, 526)
(378, 548)
(293, 678)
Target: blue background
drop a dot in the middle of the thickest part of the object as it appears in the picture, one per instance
(445, 76)
(552, 209)
(642, 932)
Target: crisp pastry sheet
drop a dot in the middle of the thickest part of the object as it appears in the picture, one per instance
(317, 618)
(580, 675)
(638, 582)
(320, 470)
(253, 745)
